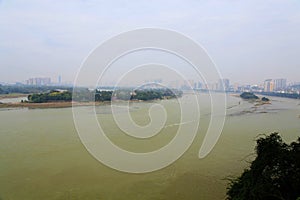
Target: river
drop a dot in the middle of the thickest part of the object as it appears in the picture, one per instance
(42, 156)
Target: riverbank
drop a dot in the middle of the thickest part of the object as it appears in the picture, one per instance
(61, 104)
(12, 95)
(50, 104)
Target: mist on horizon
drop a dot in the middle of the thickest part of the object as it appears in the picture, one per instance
(249, 41)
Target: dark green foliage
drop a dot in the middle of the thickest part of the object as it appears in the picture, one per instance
(52, 96)
(82, 94)
(146, 94)
(265, 99)
(152, 94)
(248, 95)
(274, 174)
(103, 95)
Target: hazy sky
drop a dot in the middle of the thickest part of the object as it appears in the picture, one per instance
(249, 40)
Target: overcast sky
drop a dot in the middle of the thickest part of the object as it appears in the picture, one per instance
(248, 40)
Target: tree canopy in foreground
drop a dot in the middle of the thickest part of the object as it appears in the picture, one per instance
(274, 174)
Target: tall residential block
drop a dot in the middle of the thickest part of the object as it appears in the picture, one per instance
(268, 85)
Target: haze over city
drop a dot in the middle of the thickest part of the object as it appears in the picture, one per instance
(250, 41)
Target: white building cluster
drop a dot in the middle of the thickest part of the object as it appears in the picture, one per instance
(39, 81)
(271, 85)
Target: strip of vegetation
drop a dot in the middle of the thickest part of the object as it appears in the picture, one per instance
(252, 96)
(248, 96)
(84, 95)
(52, 96)
(27, 89)
(265, 99)
(274, 174)
(146, 94)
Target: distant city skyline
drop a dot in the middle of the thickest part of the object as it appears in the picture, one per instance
(225, 83)
(59, 79)
(275, 86)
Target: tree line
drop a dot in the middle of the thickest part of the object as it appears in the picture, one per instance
(28, 89)
(51, 96)
(103, 95)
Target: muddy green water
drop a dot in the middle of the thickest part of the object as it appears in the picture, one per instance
(41, 156)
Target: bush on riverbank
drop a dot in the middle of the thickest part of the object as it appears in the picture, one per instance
(248, 95)
(265, 99)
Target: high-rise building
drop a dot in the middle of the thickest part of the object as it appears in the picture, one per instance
(223, 84)
(199, 85)
(268, 85)
(279, 84)
(59, 79)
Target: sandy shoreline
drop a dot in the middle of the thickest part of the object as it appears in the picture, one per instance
(51, 104)
(11, 96)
